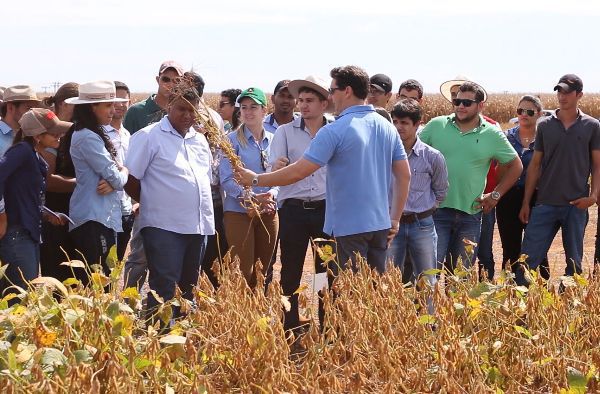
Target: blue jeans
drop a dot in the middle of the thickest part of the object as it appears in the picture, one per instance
(543, 225)
(173, 260)
(136, 266)
(419, 240)
(485, 254)
(452, 226)
(22, 254)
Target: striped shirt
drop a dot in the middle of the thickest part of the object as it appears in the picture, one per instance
(428, 178)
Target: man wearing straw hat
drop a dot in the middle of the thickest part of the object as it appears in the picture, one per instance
(302, 211)
(469, 143)
(15, 102)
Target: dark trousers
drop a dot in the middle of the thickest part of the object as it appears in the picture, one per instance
(371, 245)
(511, 228)
(297, 226)
(22, 255)
(51, 255)
(216, 246)
(92, 241)
(173, 260)
(124, 236)
(597, 246)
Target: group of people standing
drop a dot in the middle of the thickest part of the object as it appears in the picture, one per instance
(368, 182)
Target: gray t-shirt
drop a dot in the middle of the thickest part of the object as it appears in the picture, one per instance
(567, 161)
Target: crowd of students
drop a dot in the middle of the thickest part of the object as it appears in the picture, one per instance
(342, 170)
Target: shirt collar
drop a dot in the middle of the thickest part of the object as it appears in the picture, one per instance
(356, 108)
(151, 103)
(165, 125)
(248, 134)
(5, 128)
(418, 147)
(482, 124)
(554, 115)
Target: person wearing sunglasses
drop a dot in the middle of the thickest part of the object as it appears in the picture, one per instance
(380, 91)
(227, 109)
(469, 143)
(567, 152)
(249, 236)
(510, 227)
(151, 110)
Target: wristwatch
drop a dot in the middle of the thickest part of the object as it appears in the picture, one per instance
(255, 181)
(495, 195)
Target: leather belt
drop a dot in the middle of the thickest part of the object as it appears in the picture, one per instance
(409, 218)
(295, 202)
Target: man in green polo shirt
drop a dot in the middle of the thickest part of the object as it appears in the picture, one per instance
(152, 109)
(469, 143)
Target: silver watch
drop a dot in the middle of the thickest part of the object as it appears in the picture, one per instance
(255, 180)
(495, 195)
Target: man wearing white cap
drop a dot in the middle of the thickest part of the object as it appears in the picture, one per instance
(16, 101)
(302, 212)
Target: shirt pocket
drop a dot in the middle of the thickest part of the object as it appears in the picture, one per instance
(420, 182)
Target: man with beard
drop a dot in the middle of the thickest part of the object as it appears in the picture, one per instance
(469, 143)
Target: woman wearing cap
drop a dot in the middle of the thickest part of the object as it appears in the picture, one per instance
(22, 187)
(60, 185)
(510, 227)
(95, 206)
(250, 237)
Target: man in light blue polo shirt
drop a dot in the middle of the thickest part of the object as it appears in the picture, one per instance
(361, 151)
(170, 166)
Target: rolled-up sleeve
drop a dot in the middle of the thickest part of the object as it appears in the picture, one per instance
(95, 154)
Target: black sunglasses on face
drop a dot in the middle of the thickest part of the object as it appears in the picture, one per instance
(166, 79)
(332, 90)
(465, 102)
(529, 112)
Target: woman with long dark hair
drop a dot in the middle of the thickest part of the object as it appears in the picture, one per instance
(95, 206)
(58, 246)
(22, 186)
(228, 109)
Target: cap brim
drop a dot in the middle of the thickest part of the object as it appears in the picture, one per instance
(61, 128)
(447, 86)
(378, 88)
(77, 100)
(563, 86)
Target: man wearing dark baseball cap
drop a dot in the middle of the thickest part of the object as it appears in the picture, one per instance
(283, 107)
(568, 83)
(571, 140)
(380, 90)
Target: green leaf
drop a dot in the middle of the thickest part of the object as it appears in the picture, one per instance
(479, 289)
(142, 363)
(427, 319)
(111, 259)
(523, 330)
(12, 360)
(432, 271)
(577, 381)
(82, 356)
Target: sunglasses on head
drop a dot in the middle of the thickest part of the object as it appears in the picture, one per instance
(223, 103)
(465, 102)
(166, 79)
(529, 112)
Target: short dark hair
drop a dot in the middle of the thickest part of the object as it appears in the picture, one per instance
(412, 84)
(122, 86)
(469, 86)
(196, 80)
(407, 108)
(352, 76)
(306, 89)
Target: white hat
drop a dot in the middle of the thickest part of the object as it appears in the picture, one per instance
(19, 93)
(313, 82)
(96, 92)
(458, 80)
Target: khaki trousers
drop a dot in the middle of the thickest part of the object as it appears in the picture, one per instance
(251, 239)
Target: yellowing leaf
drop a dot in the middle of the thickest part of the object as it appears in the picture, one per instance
(100, 280)
(580, 280)
(18, 310)
(206, 296)
(158, 298)
(263, 323)
(131, 292)
(71, 282)
(122, 325)
(52, 282)
(427, 319)
(300, 289)
(44, 337)
(523, 330)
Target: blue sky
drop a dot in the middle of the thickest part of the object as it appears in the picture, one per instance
(516, 46)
